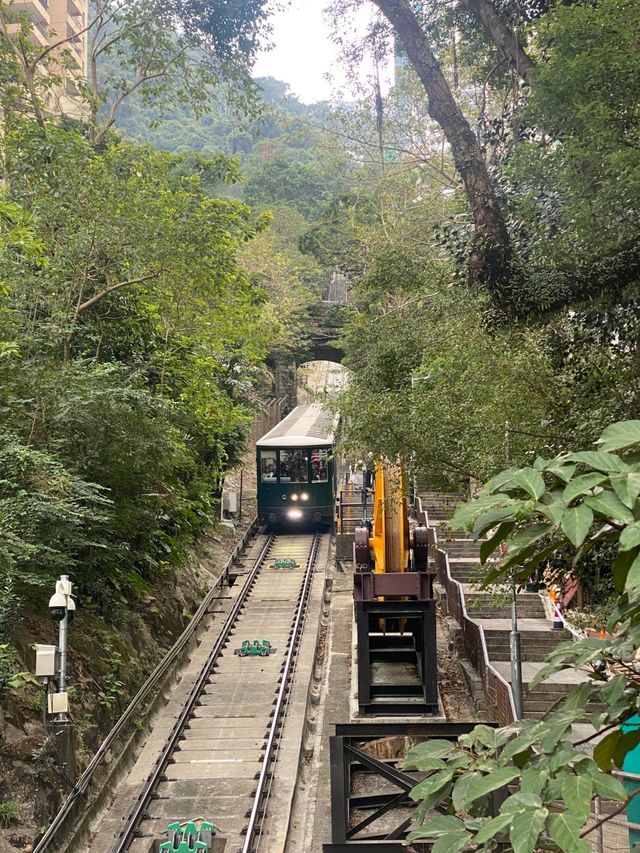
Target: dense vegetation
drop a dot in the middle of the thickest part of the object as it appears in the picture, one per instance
(139, 299)
(487, 214)
(129, 343)
(495, 382)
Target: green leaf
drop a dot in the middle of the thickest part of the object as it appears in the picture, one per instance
(526, 827)
(554, 510)
(608, 504)
(605, 749)
(431, 785)
(627, 742)
(619, 435)
(524, 538)
(520, 801)
(632, 580)
(490, 518)
(581, 485)
(487, 548)
(601, 461)
(560, 469)
(427, 763)
(466, 513)
(501, 480)
(452, 843)
(577, 792)
(537, 557)
(441, 825)
(533, 780)
(493, 827)
(531, 481)
(436, 748)
(460, 797)
(519, 744)
(630, 536)
(627, 487)
(487, 736)
(609, 787)
(578, 697)
(491, 782)
(565, 829)
(576, 523)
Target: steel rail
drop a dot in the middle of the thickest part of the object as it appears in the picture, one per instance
(128, 833)
(282, 698)
(82, 785)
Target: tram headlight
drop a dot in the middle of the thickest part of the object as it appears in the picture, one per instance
(294, 514)
(304, 496)
(294, 497)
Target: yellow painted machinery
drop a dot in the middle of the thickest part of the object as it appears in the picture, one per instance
(390, 546)
(395, 609)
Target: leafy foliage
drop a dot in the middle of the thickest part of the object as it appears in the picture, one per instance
(584, 497)
(130, 340)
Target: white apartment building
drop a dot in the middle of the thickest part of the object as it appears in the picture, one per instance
(54, 20)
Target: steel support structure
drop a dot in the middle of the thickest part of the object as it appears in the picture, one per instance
(408, 636)
(353, 816)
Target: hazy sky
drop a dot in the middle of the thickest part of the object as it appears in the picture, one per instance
(304, 53)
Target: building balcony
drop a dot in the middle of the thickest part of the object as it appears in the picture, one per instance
(37, 8)
(39, 34)
(77, 9)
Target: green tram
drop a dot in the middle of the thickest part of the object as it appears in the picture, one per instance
(296, 469)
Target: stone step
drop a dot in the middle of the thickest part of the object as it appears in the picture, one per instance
(503, 612)
(439, 513)
(529, 654)
(436, 495)
(543, 703)
(529, 634)
(461, 549)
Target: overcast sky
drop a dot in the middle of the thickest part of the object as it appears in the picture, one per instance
(304, 53)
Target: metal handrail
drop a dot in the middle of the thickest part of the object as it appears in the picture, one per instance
(143, 693)
(484, 656)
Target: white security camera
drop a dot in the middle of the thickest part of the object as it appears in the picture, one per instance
(71, 609)
(58, 606)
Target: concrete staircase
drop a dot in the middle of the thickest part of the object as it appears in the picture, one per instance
(493, 612)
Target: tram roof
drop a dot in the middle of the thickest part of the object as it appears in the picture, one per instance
(305, 426)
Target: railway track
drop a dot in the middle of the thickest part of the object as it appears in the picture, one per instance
(217, 762)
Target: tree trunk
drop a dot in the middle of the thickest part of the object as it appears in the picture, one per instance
(490, 259)
(506, 41)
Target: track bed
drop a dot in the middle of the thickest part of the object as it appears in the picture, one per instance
(218, 761)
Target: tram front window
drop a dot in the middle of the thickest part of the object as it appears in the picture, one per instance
(319, 465)
(294, 466)
(268, 466)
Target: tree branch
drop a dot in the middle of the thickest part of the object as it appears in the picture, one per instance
(612, 814)
(98, 297)
(144, 78)
(504, 39)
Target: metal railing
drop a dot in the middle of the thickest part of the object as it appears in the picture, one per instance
(76, 804)
(497, 690)
(354, 504)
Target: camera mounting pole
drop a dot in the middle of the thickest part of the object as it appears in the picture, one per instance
(63, 639)
(62, 608)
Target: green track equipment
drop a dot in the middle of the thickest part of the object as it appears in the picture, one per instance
(285, 563)
(187, 837)
(255, 648)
